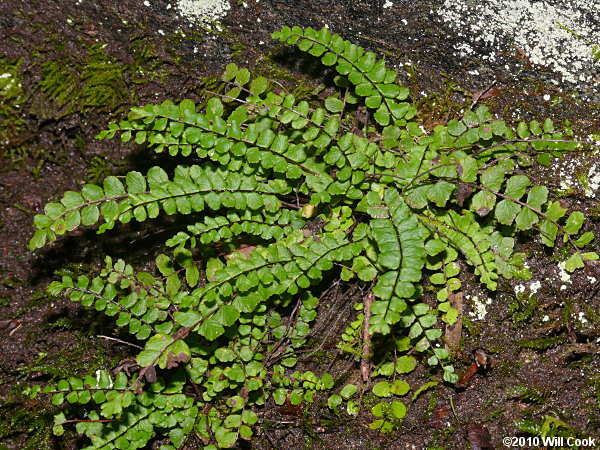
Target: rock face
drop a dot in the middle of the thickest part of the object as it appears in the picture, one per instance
(563, 37)
(524, 59)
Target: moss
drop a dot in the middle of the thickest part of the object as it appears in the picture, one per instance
(442, 106)
(11, 86)
(147, 64)
(13, 282)
(236, 45)
(543, 343)
(38, 298)
(442, 438)
(523, 308)
(472, 327)
(12, 97)
(100, 166)
(95, 82)
(495, 414)
(83, 359)
(29, 422)
(4, 301)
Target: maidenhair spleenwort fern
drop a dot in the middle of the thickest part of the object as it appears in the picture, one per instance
(286, 191)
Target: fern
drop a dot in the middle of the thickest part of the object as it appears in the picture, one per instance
(543, 343)
(526, 393)
(315, 189)
(551, 426)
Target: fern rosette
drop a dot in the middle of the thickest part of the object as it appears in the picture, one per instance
(288, 192)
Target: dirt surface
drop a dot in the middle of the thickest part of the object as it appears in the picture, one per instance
(543, 341)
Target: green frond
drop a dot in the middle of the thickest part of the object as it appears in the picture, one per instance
(192, 189)
(268, 225)
(401, 254)
(372, 82)
(466, 235)
(283, 268)
(285, 194)
(137, 300)
(544, 343)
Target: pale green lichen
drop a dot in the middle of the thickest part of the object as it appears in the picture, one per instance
(564, 276)
(561, 36)
(593, 181)
(203, 12)
(479, 308)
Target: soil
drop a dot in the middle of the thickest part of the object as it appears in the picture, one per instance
(47, 146)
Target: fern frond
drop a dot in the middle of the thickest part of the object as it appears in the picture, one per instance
(180, 128)
(543, 343)
(139, 300)
(401, 255)
(268, 225)
(281, 269)
(465, 235)
(192, 189)
(372, 81)
(341, 187)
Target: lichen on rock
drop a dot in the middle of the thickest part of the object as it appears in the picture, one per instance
(203, 12)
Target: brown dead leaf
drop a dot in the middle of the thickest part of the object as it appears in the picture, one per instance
(150, 374)
(173, 360)
(313, 226)
(482, 359)
(481, 363)
(453, 332)
(483, 211)
(10, 324)
(440, 417)
(463, 192)
(490, 93)
(244, 249)
(127, 365)
(463, 382)
(479, 437)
